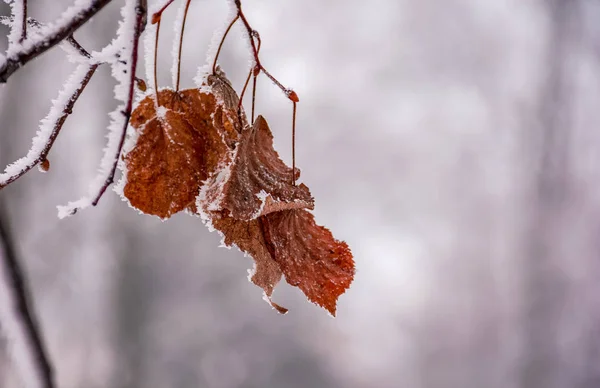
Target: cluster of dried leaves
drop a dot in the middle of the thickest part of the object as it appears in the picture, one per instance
(195, 151)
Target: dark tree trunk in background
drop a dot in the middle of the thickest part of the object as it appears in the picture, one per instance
(545, 284)
(560, 245)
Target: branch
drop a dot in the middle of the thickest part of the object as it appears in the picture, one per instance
(41, 147)
(26, 317)
(69, 22)
(125, 87)
(140, 21)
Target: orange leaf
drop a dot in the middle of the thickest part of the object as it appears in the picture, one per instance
(179, 147)
(309, 256)
(258, 182)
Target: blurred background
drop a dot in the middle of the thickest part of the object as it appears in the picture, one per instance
(452, 143)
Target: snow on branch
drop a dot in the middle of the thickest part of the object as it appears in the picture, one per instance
(126, 44)
(51, 125)
(22, 51)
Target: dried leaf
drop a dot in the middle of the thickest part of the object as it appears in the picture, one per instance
(259, 181)
(248, 237)
(176, 150)
(309, 256)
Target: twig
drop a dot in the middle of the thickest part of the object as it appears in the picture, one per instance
(37, 24)
(294, 144)
(156, 61)
(83, 52)
(258, 68)
(252, 73)
(24, 308)
(214, 67)
(140, 11)
(157, 15)
(251, 32)
(24, 22)
(185, 13)
(32, 49)
(67, 110)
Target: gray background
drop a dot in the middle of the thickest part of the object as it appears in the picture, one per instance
(452, 143)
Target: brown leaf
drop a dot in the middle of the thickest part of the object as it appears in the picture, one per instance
(309, 256)
(259, 181)
(176, 149)
(248, 237)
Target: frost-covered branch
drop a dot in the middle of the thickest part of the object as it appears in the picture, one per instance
(140, 21)
(50, 127)
(62, 107)
(18, 318)
(127, 44)
(73, 18)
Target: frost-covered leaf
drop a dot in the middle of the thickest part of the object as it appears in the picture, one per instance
(176, 150)
(259, 181)
(309, 256)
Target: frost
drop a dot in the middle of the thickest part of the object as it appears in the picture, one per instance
(46, 127)
(16, 7)
(262, 197)
(206, 201)
(36, 28)
(79, 8)
(122, 46)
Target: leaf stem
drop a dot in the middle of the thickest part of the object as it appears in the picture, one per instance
(187, 7)
(156, 62)
(214, 67)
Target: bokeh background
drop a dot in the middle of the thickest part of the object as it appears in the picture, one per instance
(453, 144)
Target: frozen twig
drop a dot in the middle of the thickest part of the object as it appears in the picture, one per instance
(140, 11)
(50, 127)
(18, 298)
(259, 68)
(134, 15)
(37, 26)
(73, 18)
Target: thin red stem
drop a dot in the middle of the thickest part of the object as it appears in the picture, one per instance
(156, 16)
(253, 72)
(253, 94)
(187, 7)
(289, 93)
(244, 90)
(294, 145)
(156, 61)
(214, 68)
